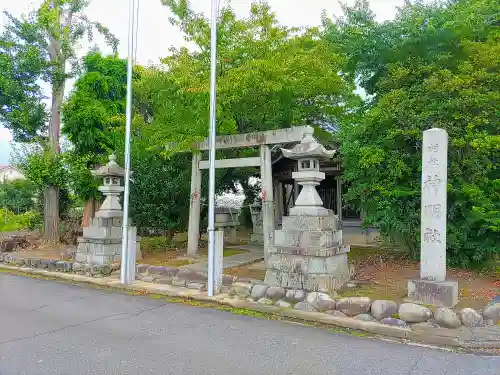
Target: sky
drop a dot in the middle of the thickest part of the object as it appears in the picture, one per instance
(156, 35)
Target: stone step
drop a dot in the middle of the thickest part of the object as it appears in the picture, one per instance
(307, 239)
(310, 223)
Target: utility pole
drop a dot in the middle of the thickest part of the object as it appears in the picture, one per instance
(212, 135)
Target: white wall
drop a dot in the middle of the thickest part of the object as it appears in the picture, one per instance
(9, 174)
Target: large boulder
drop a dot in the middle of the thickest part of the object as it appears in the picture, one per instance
(353, 306)
(447, 318)
(383, 309)
(275, 293)
(295, 295)
(413, 313)
(471, 318)
(320, 301)
(491, 313)
(258, 291)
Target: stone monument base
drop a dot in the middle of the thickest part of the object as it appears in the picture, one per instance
(101, 242)
(307, 254)
(435, 293)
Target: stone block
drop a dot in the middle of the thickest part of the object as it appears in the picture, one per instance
(435, 293)
(310, 251)
(305, 239)
(309, 282)
(310, 223)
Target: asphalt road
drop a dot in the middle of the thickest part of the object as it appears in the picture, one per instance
(48, 327)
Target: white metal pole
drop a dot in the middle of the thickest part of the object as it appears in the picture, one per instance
(125, 274)
(212, 134)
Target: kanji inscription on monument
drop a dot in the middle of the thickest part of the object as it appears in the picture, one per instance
(433, 209)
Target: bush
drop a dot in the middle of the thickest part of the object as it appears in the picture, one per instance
(10, 222)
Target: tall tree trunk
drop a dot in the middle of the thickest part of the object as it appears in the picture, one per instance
(51, 208)
(89, 211)
(51, 214)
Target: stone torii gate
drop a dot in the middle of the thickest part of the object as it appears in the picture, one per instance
(261, 139)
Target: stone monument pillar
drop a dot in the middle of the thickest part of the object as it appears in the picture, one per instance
(101, 242)
(432, 287)
(307, 252)
(257, 236)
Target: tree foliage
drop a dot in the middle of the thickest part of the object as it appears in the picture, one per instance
(268, 77)
(435, 65)
(39, 48)
(17, 196)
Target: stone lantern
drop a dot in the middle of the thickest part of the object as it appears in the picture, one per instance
(308, 252)
(308, 154)
(101, 242)
(112, 175)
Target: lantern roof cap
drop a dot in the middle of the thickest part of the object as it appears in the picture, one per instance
(112, 169)
(309, 147)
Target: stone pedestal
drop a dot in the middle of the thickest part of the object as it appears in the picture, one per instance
(101, 242)
(307, 254)
(257, 236)
(435, 293)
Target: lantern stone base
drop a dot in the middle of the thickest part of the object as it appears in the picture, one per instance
(102, 242)
(308, 254)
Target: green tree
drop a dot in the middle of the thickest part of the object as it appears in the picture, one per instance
(17, 196)
(268, 77)
(94, 119)
(435, 65)
(39, 48)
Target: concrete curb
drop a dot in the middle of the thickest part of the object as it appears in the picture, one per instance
(439, 336)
